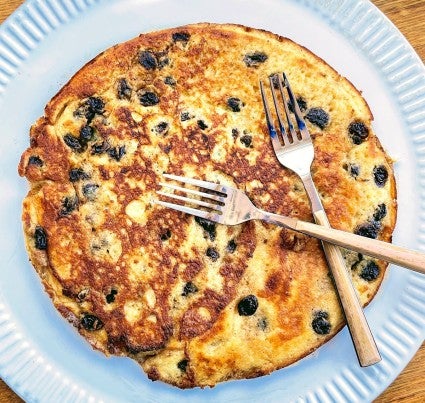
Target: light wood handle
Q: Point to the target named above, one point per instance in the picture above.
(371, 247)
(364, 343)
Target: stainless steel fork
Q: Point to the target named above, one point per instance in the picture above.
(230, 206)
(294, 150)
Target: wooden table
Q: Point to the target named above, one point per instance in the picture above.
(409, 17)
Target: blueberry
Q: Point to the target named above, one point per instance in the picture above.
(354, 170)
(358, 132)
(40, 238)
(369, 229)
(212, 254)
(91, 322)
(148, 60)
(189, 288)
(77, 174)
(96, 105)
(161, 128)
(81, 296)
(320, 323)
(89, 190)
(182, 365)
(380, 212)
(165, 235)
(235, 133)
(370, 272)
(208, 226)
(185, 116)
(302, 105)
(35, 160)
(380, 175)
(202, 125)
(123, 89)
(231, 246)
(148, 98)
(318, 117)
(255, 59)
(170, 81)
(86, 134)
(100, 148)
(181, 36)
(248, 305)
(111, 296)
(73, 143)
(69, 204)
(116, 153)
(246, 140)
(235, 104)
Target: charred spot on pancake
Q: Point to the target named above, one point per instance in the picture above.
(110, 297)
(86, 134)
(370, 271)
(235, 104)
(170, 81)
(100, 148)
(202, 125)
(380, 175)
(73, 143)
(189, 288)
(369, 229)
(262, 324)
(208, 226)
(246, 140)
(35, 160)
(148, 60)
(89, 190)
(231, 246)
(380, 212)
(161, 128)
(91, 322)
(69, 204)
(165, 235)
(302, 104)
(182, 365)
(235, 133)
(123, 89)
(116, 153)
(248, 305)
(212, 253)
(320, 323)
(185, 116)
(181, 36)
(318, 117)
(254, 59)
(40, 238)
(358, 132)
(148, 98)
(77, 174)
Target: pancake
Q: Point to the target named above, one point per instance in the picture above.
(197, 303)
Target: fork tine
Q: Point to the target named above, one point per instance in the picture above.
(194, 192)
(277, 109)
(190, 200)
(190, 210)
(272, 131)
(196, 182)
(298, 116)
(287, 114)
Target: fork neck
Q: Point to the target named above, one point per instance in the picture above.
(313, 195)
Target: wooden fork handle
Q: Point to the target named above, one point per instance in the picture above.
(364, 343)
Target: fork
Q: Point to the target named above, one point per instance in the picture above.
(294, 150)
(229, 206)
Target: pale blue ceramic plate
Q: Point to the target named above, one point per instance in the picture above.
(44, 42)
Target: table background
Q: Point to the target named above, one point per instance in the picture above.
(409, 17)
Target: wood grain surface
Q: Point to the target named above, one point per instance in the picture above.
(409, 17)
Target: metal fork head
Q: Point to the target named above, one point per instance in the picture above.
(293, 145)
(215, 202)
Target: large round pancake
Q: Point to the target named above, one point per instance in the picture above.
(157, 285)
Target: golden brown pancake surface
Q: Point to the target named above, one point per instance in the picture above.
(197, 303)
